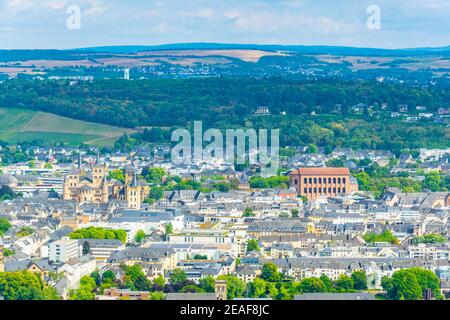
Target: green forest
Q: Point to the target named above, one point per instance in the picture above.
(306, 112)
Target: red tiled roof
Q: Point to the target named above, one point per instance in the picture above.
(321, 171)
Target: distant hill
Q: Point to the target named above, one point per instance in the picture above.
(332, 50)
(183, 60)
(19, 125)
(80, 54)
(23, 55)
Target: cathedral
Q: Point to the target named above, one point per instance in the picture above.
(93, 186)
(133, 190)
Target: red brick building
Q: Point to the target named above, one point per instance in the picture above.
(322, 182)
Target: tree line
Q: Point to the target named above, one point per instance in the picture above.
(405, 284)
(228, 103)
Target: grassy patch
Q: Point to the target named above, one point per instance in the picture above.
(12, 119)
(47, 122)
(18, 125)
(52, 137)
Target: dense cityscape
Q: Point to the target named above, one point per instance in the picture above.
(132, 225)
(220, 159)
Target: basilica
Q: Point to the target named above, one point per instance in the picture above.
(93, 185)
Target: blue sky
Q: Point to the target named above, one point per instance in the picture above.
(404, 23)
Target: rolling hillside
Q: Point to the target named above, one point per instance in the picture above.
(18, 125)
(303, 49)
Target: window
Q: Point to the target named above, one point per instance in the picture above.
(334, 190)
(305, 180)
(315, 190)
(305, 190)
(320, 190)
(320, 180)
(310, 190)
(329, 190)
(310, 180)
(344, 180)
(339, 180)
(329, 180)
(339, 190)
(295, 181)
(315, 180)
(343, 190)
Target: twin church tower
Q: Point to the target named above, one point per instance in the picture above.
(93, 185)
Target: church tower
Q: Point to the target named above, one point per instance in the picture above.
(66, 190)
(133, 194)
(130, 172)
(98, 173)
(105, 190)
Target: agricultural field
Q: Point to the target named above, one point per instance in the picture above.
(18, 125)
(434, 63)
(139, 59)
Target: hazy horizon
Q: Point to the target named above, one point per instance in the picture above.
(222, 43)
(43, 24)
(246, 44)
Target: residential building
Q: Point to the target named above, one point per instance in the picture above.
(63, 250)
(76, 268)
(103, 249)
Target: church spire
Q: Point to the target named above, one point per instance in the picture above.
(134, 181)
(97, 160)
(79, 161)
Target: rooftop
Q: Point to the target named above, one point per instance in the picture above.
(335, 296)
(321, 171)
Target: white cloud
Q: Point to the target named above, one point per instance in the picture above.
(265, 21)
(406, 23)
(160, 28)
(22, 5)
(206, 13)
(426, 4)
(19, 4)
(295, 3)
(96, 8)
(55, 4)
